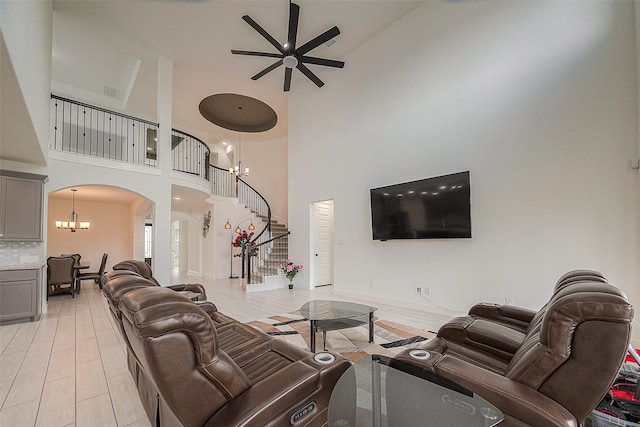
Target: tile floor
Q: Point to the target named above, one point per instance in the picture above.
(69, 368)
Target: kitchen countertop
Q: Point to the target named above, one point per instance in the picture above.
(24, 266)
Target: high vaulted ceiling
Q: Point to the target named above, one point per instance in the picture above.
(114, 46)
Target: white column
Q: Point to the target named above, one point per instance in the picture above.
(162, 210)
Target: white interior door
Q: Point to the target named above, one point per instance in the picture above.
(323, 243)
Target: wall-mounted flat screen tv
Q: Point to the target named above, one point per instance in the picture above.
(432, 208)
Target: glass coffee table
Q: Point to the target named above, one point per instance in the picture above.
(379, 391)
(326, 315)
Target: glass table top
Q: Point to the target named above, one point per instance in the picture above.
(329, 310)
(379, 391)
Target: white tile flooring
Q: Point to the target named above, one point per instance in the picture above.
(69, 368)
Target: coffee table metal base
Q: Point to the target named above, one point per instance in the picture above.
(336, 324)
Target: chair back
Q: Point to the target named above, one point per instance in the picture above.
(580, 345)
(103, 264)
(60, 270)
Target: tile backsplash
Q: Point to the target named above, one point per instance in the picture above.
(14, 253)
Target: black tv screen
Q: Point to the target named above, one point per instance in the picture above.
(432, 208)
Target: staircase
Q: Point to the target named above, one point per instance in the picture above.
(271, 254)
(272, 241)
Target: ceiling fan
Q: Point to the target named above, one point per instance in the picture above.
(290, 56)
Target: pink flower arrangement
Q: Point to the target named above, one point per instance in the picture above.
(290, 269)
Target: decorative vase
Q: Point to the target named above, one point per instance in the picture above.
(290, 283)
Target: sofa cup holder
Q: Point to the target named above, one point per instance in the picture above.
(324, 358)
(420, 354)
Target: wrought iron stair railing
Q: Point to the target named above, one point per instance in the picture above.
(270, 255)
(272, 250)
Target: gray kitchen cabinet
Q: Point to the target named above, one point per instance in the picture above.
(21, 206)
(19, 294)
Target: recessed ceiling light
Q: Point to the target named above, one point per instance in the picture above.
(176, 198)
(225, 143)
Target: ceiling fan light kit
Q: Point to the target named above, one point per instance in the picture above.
(289, 55)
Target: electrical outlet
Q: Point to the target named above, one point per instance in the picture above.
(417, 290)
(427, 292)
(508, 301)
(372, 284)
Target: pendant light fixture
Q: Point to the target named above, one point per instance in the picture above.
(73, 223)
(237, 170)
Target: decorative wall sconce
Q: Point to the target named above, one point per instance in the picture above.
(206, 223)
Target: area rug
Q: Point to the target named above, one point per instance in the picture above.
(390, 338)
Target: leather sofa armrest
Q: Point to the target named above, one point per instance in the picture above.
(514, 399)
(209, 307)
(278, 396)
(218, 318)
(192, 287)
(415, 356)
(509, 315)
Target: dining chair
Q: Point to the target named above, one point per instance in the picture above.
(60, 273)
(94, 275)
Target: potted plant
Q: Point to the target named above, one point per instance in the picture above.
(290, 270)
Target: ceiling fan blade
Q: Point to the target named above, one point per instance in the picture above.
(321, 61)
(287, 79)
(267, 70)
(250, 53)
(307, 72)
(263, 33)
(294, 13)
(322, 38)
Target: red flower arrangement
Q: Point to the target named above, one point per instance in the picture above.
(243, 240)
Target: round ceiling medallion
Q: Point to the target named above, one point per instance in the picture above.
(238, 112)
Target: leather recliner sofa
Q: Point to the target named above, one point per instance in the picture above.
(143, 269)
(561, 367)
(500, 330)
(201, 378)
(273, 375)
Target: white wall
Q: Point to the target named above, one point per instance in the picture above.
(267, 161)
(27, 32)
(537, 99)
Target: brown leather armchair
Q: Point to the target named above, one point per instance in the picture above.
(562, 368)
(178, 347)
(520, 318)
(500, 330)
